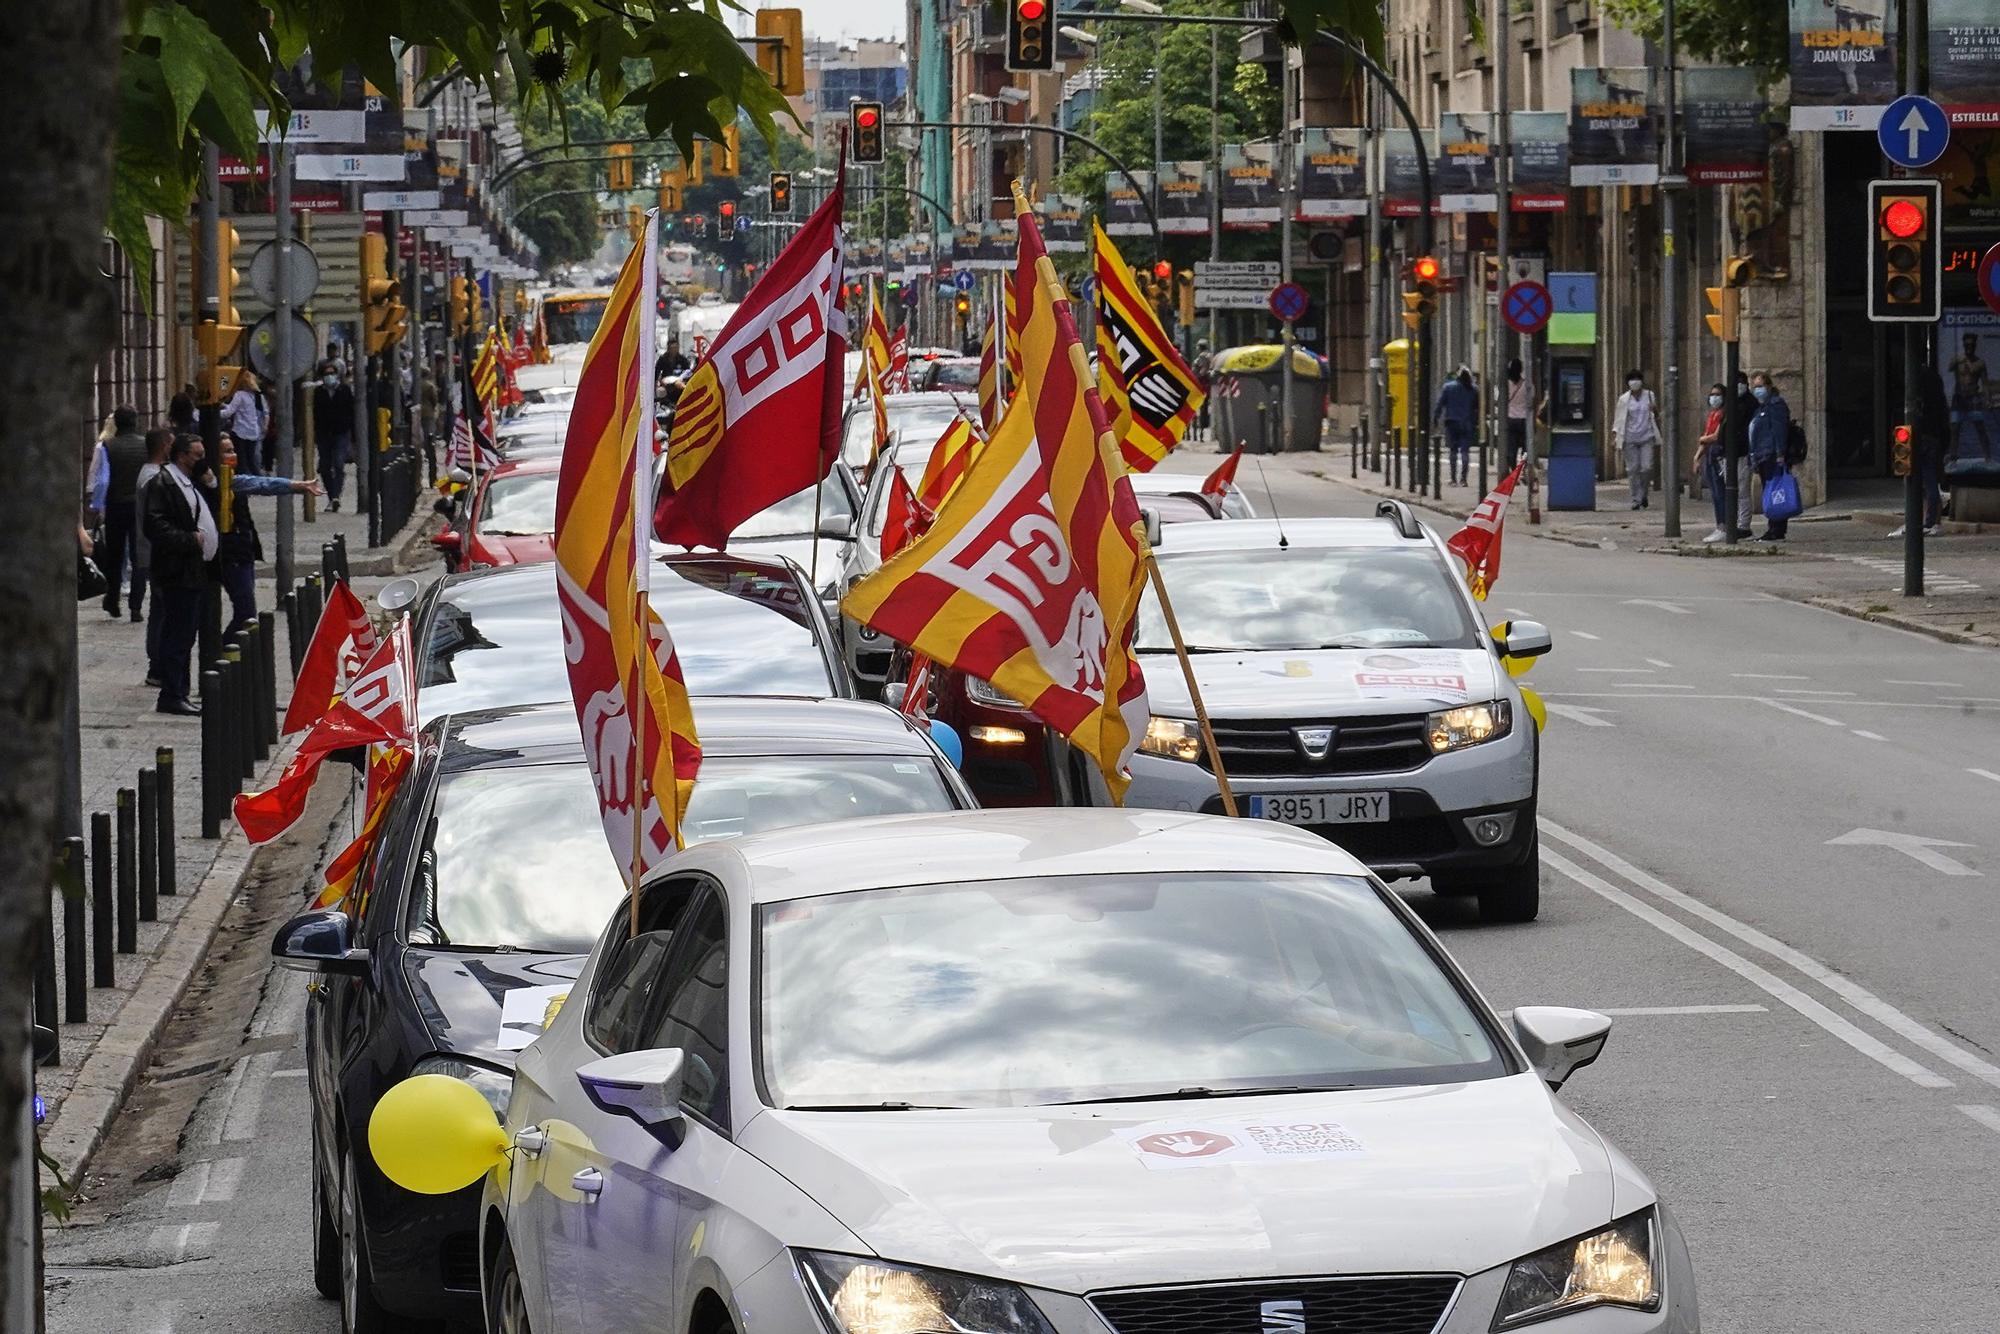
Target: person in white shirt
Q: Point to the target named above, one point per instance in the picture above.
(1635, 429)
(1520, 410)
(247, 417)
(183, 537)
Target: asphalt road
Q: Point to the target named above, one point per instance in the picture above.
(1769, 849)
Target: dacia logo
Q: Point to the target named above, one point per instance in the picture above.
(1287, 1316)
(1315, 742)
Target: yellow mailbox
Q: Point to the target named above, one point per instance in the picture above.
(1396, 358)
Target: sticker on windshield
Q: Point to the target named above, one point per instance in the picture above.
(526, 1011)
(1171, 1145)
(1432, 675)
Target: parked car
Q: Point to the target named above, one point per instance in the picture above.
(487, 885)
(916, 417)
(1354, 690)
(510, 519)
(1055, 1072)
(950, 372)
(743, 625)
(1148, 486)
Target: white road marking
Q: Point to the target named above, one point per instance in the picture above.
(1869, 736)
(1688, 1009)
(1768, 676)
(206, 1182)
(1637, 686)
(1672, 608)
(1984, 1115)
(1583, 634)
(1970, 699)
(1517, 611)
(173, 1243)
(1796, 690)
(1652, 685)
(1946, 685)
(1985, 773)
(1643, 671)
(289, 1074)
(1757, 975)
(1914, 846)
(1783, 707)
(1657, 663)
(1856, 995)
(246, 1100)
(1579, 714)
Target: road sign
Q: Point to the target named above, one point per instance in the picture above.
(1913, 131)
(1526, 307)
(965, 280)
(1989, 279)
(1289, 301)
(1260, 273)
(303, 275)
(262, 340)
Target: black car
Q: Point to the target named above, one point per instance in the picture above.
(743, 625)
(488, 884)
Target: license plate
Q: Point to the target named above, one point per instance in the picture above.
(1322, 808)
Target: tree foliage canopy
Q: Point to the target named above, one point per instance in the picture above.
(1748, 33)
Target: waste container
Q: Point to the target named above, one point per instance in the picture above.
(1572, 471)
(1247, 398)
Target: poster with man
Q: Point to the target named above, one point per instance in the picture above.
(1843, 62)
(1249, 186)
(1727, 141)
(1465, 174)
(1538, 149)
(1613, 127)
(1333, 175)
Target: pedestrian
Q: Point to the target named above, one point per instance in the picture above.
(1457, 407)
(1707, 466)
(1933, 432)
(246, 416)
(1204, 370)
(333, 430)
(1520, 408)
(114, 495)
(159, 444)
(1635, 430)
(239, 548)
(183, 535)
(430, 398)
(1968, 398)
(1770, 429)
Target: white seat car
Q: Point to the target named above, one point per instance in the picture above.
(1055, 1072)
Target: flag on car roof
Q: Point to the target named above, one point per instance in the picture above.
(341, 642)
(1031, 572)
(897, 378)
(947, 464)
(902, 518)
(760, 417)
(1478, 543)
(467, 449)
(874, 342)
(1217, 483)
(989, 378)
(624, 676)
(486, 370)
(1150, 393)
(386, 767)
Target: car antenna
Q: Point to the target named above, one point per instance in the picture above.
(1283, 541)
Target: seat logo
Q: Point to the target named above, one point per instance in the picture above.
(1284, 1317)
(1315, 742)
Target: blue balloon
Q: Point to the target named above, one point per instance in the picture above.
(949, 742)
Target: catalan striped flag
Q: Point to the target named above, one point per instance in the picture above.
(875, 354)
(949, 459)
(624, 676)
(989, 378)
(486, 371)
(1031, 572)
(1151, 394)
(1011, 344)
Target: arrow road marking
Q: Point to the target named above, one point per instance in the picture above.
(1914, 846)
(1673, 607)
(1914, 125)
(1578, 713)
(1985, 773)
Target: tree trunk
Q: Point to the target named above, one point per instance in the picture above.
(55, 190)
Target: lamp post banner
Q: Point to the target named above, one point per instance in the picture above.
(1965, 61)
(1466, 173)
(1843, 62)
(1125, 204)
(1538, 146)
(1613, 127)
(1402, 189)
(1062, 224)
(1184, 188)
(1333, 176)
(1723, 120)
(1249, 186)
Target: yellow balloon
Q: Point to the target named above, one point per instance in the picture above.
(1536, 709)
(434, 1134)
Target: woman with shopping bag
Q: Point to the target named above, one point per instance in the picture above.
(1770, 437)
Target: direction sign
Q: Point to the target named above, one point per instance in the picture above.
(1289, 301)
(1526, 307)
(1259, 274)
(1913, 131)
(965, 280)
(1989, 279)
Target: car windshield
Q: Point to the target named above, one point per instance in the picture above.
(1014, 993)
(519, 505)
(516, 857)
(922, 422)
(793, 516)
(739, 627)
(954, 374)
(573, 319)
(1308, 597)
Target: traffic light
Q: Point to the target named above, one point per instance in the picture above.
(783, 60)
(1163, 270)
(722, 153)
(217, 339)
(781, 189)
(693, 165)
(1901, 438)
(670, 191)
(1420, 300)
(864, 131)
(461, 305)
(964, 304)
(728, 212)
(635, 222)
(1905, 274)
(1727, 303)
(618, 173)
(382, 312)
(1031, 38)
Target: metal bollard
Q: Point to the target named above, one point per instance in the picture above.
(295, 641)
(210, 637)
(163, 770)
(254, 718)
(1354, 451)
(100, 899)
(235, 722)
(329, 565)
(212, 753)
(1396, 459)
(128, 873)
(76, 938)
(1437, 472)
(340, 548)
(149, 846)
(267, 678)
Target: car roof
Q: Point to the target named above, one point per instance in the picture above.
(727, 725)
(535, 464)
(980, 845)
(1248, 534)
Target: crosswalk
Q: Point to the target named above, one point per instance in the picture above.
(1893, 565)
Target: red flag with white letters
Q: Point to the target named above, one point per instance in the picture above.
(341, 642)
(1217, 483)
(1478, 543)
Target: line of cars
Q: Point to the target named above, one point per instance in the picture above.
(875, 1061)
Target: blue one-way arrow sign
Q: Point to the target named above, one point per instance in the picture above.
(1913, 131)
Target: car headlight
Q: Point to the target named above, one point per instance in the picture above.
(862, 1296)
(1173, 738)
(1611, 1267)
(1468, 725)
(492, 1085)
(981, 691)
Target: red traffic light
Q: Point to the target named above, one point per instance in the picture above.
(1162, 270)
(1424, 269)
(1902, 434)
(1031, 9)
(728, 210)
(865, 118)
(1902, 218)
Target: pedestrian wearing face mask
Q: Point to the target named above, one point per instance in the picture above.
(1635, 429)
(1770, 428)
(333, 430)
(1708, 460)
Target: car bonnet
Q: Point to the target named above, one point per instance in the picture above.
(1286, 683)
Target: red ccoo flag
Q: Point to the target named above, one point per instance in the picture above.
(1217, 483)
(1478, 543)
(341, 642)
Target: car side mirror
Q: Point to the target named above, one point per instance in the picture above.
(1152, 518)
(320, 941)
(836, 527)
(894, 693)
(447, 540)
(459, 476)
(644, 1085)
(1560, 1041)
(1525, 639)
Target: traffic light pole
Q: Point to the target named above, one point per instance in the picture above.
(1067, 136)
(1917, 37)
(284, 418)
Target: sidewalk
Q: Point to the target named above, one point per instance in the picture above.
(120, 735)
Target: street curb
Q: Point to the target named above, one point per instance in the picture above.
(1888, 618)
(1576, 537)
(400, 552)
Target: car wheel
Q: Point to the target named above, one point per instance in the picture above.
(506, 1303)
(359, 1311)
(326, 1233)
(1515, 894)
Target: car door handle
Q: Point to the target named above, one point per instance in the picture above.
(588, 1182)
(531, 1140)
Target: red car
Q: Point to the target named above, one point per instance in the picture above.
(510, 520)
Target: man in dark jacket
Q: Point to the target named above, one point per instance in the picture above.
(333, 431)
(184, 539)
(114, 494)
(1770, 432)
